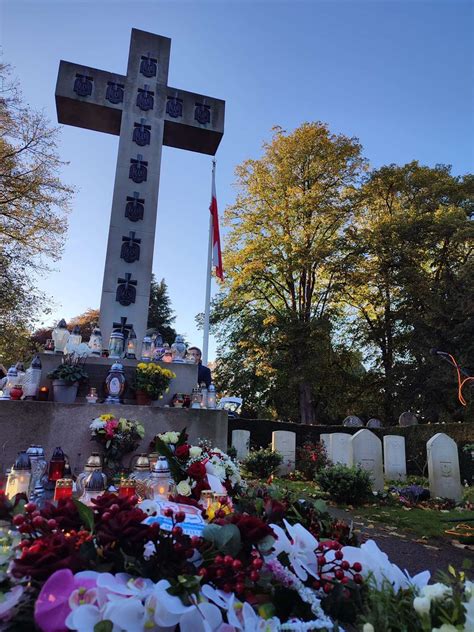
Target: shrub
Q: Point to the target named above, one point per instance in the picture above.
(350, 485)
(262, 463)
(311, 458)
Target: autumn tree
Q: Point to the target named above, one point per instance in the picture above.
(285, 231)
(33, 207)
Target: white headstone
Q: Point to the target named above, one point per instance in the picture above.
(367, 452)
(284, 442)
(241, 442)
(325, 440)
(394, 458)
(341, 448)
(353, 421)
(443, 467)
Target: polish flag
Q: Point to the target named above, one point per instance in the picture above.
(216, 239)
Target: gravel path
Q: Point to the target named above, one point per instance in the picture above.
(406, 552)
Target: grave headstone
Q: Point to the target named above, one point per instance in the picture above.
(241, 442)
(374, 423)
(367, 454)
(407, 419)
(443, 467)
(394, 458)
(284, 442)
(146, 113)
(341, 448)
(325, 440)
(352, 421)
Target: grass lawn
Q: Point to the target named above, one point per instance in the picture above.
(420, 523)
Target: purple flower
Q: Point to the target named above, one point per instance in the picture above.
(60, 594)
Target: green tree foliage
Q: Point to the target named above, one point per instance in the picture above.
(33, 207)
(285, 234)
(338, 284)
(160, 312)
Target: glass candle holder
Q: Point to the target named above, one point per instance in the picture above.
(43, 394)
(63, 489)
(206, 498)
(92, 396)
(49, 346)
(127, 488)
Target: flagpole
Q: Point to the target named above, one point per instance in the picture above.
(207, 307)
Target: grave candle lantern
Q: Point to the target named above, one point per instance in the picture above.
(116, 344)
(19, 478)
(43, 394)
(60, 336)
(159, 482)
(211, 396)
(95, 342)
(32, 379)
(12, 376)
(115, 384)
(63, 490)
(146, 349)
(206, 498)
(127, 487)
(94, 486)
(76, 337)
(131, 346)
(57, 465)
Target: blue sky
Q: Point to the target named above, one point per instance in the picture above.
(398, 75)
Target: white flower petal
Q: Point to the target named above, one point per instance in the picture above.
(83, 618)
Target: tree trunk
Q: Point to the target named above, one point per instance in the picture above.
(307, 413)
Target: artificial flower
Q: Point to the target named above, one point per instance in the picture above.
(436, 591)
(422, 605)
(9, 600)
(368, 627)
(195, 451)
(197, 470)
(182, 451)
(184, 488)
(300, 549)
(48, 554)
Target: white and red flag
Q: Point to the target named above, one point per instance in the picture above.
(216, 238)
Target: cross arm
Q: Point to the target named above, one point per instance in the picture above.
(89, 98)
(185, 119)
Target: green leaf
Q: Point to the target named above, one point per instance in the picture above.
(182, 437)
(226, 539)
(177, 472)
(104, 626)
(86, 515)
(20, 508)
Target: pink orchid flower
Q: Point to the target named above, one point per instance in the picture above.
(62, 593)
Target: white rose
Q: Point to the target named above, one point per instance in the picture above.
(195, 451)
(368, 627)
(183, 488)
(436, 591)
(97, 424)
(422, 605)
(173, 437)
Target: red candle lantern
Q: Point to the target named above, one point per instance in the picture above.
(127, 488)
(63, 489)
(43, 394)
(57, 465)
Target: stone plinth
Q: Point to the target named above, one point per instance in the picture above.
(67, 425)
(97, 369)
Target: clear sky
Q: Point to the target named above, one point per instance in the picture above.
(398, 75)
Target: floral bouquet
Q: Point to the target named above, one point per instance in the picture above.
(152, 379)
(117, 436)
(197, 467)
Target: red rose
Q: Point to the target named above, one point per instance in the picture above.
(182, 451)
(197, 470)
(251, 528)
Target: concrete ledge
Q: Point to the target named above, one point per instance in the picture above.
(67, 425)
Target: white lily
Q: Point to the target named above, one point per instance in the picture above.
(127, 613)
(300, 549)
(168, 608)
(206, 617)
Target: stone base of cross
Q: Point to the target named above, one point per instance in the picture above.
(146, 113)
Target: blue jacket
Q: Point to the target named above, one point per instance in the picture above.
(204, 375)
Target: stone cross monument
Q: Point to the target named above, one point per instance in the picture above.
(146, 113)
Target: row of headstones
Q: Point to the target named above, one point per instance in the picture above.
(405, 419)
(364, 448)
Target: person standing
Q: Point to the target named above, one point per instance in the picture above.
(204, 372)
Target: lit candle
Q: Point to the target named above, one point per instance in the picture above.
(206, 498)
(43, 394)
(63, 489)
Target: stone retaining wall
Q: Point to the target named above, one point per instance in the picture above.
(67, 425)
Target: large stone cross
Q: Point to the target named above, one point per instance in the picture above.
(146, 113)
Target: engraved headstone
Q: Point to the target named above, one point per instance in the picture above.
(134, 107)
(443, 467)
(374, 423)
(352, 421)
(407, 419)
(367, 453)
(284, 442)
(394, 458)
(241, 442)
(324, 438)
(341, 448)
